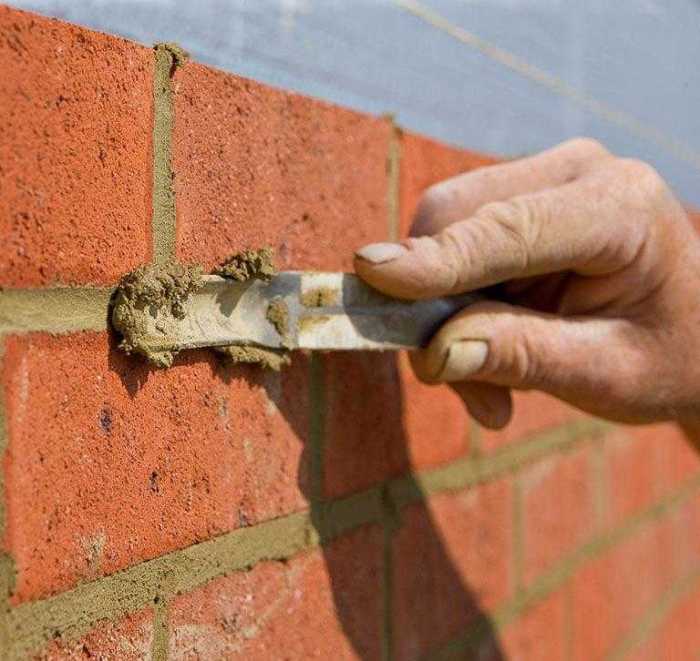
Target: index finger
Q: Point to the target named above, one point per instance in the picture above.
(459, 197)
(590, 226)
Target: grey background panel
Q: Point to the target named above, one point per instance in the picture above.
(634, 57)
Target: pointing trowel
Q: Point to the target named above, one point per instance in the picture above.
(293, 310)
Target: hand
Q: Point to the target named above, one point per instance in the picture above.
(597, 268)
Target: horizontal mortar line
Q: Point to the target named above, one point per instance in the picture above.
(73, 612)
(470, 471)
(553, 83)
(654, 616)
(547, 583)
(55, 309)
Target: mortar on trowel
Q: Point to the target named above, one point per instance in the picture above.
(253, 314)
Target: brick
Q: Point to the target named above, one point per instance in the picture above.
(558, 505)
(381, 422)
(684, 551)
(539, 634)
(678, 636)
(451, 563)
(255, 165)
(647, 651)
(425, 162)
(675, 457)
(436, 425)
(613, 591)
(364, 441)
(110, 462)
(533, 412)
(129, 639)
(632, 473)
(322, 604)
(76, 120)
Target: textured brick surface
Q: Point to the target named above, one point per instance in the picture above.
(318, 605)
(684, 550)
(677, 638)
(110, 463)
(612, 592)
(435, 421)
(451, 562)
(539, 634)
(676, 457)
(558, 501)
(75, 154)
(129, 639)
(381, 422)
(533, 412)
(425, 162)
(633, 471)
(255, 166)
(364, 440)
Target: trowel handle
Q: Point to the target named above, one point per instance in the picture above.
(361, 318)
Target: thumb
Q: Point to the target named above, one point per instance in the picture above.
(589, 362)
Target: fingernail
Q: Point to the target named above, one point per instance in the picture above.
(463, 358)
(380, 253)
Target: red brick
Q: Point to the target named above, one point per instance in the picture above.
(364, 442)
(685, 550)
(633, 472)
(435, 421)
(676, 459)
(110, 462)
(256, 165)
(612, 592)
(129, 639)
(451, 563)
(323, 604)
(381, 422)
(678, 636)
(646, 651)
(558, 500)
(76, 121)
(425, 162)
(539, 634)
(533, 412)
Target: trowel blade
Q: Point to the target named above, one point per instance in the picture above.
(295, 310)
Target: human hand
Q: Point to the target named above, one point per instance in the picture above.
(597, 268)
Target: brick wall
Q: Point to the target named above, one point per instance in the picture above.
(339, 509)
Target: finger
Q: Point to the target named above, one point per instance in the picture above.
(491, 406)
(592, 363)
(586, 226)
(460, 196)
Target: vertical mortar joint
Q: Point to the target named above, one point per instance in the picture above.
(160, 645)
(393, 166)
(168, 58)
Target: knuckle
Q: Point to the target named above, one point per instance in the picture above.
(457, 244)
(587, 146)
(518, 220)
(514, 213)
(643, 175)
(430, 211)
(525, 364)
(515, 360)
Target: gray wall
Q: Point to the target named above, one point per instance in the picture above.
(624, 71)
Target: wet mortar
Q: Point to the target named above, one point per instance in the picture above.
(320, 297)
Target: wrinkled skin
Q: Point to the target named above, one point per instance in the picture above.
(595, 269)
